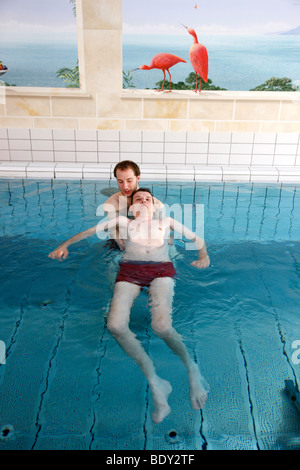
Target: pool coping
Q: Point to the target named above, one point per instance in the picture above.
(155, 172)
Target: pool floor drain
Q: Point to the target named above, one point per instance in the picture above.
(7, 432)
(46, 303)
(173, 437)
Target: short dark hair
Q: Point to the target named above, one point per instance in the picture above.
(124, 165)
(145, 190)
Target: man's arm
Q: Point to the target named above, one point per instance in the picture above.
(115, 205)
(203, 261)
(61, 252)
(111, 207)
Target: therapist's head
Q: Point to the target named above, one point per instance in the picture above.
(127, 174)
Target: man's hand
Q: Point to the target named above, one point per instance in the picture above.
(60, 253)
(121, 244)
(202, 262)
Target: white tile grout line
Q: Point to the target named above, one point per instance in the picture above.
(54, 154)
(75, 144)
(275, 143)
(230, 148)
(208, 144)
(30, 143)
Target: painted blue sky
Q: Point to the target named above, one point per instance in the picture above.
(37, 19)
(210, 16)
(54, 18)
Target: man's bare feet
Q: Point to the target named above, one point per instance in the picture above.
(198, 388)
(161, 390)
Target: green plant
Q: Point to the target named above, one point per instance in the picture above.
(276, 84)
(70, 76)
(128, 80)
(74, 6)
(189, 84)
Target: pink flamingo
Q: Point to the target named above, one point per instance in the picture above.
(162, 61)
(198, 58)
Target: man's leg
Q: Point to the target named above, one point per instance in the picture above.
(161, 294)
(118, 324)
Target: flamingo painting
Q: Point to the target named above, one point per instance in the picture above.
(199, 58)
(162, 61)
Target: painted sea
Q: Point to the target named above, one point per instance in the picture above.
(235, 62)
(35, 65)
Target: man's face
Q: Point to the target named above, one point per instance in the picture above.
(142, 203)
(127, 181)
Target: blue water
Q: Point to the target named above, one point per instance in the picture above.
(235, 62)
(66, 383)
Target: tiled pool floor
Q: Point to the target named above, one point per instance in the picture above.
(66, 383)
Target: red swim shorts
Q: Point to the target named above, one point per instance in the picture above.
(143, 273)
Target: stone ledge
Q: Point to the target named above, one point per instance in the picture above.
(62, 92)
(212, 95)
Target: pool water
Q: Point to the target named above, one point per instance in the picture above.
(66, 384)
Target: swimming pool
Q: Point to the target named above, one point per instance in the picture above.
(66, 383)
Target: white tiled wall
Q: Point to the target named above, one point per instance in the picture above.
(171, 155)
